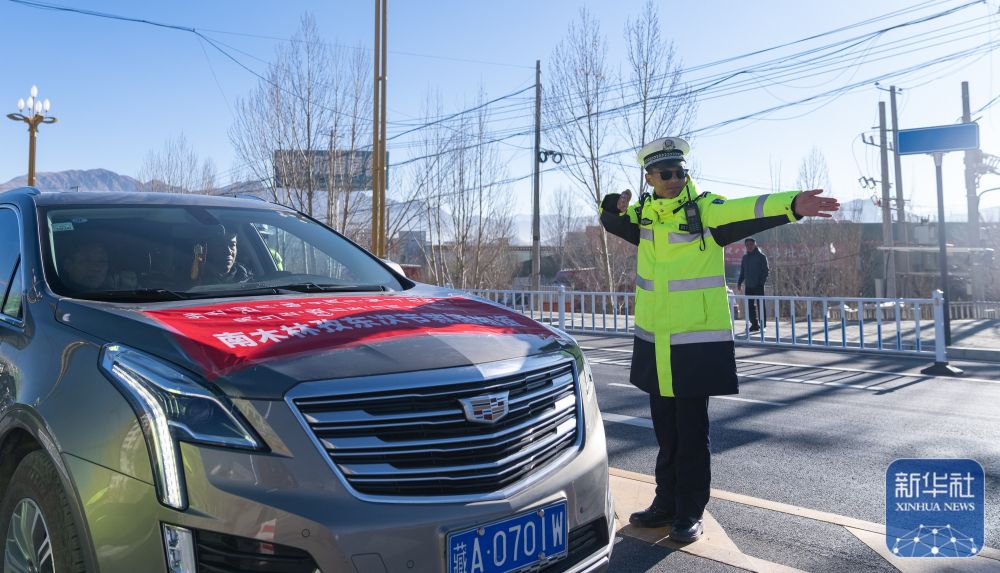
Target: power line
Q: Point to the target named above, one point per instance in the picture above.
(215, 44)
(364, 49)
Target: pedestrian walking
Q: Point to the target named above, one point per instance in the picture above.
(754, 271)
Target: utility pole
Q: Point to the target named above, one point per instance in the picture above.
(903, 233)
(383, 167)
(973, 158)
(379, 167)
(376, 123)
(890, 260)
(536, 225)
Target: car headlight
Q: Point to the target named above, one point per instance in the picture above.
(172, 406)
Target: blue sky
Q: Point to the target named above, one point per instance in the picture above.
(121, 89)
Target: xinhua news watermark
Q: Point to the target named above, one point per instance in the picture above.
(934, 507)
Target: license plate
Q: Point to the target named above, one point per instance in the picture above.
(511, 544)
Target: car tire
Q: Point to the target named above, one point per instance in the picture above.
(36, 491)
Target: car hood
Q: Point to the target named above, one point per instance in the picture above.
(261, 347)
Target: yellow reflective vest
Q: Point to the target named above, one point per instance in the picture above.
(681, 300)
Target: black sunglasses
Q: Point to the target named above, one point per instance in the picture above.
(668, 174)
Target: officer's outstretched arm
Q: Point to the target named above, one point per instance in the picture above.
(624, 225)
(733, 232)
(716, 211)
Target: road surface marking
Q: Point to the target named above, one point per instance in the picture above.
(873, 387)
(863, 371)
(734, 398)
(834, 368)
(629, 420)
(632, 494)
(750, 400)
(870, 533)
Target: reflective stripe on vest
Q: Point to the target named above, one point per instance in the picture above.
(643, 334)
(688, 237)
(695, 284)
(701, 336)
(758, 207)
(645, 233)
(644, 284)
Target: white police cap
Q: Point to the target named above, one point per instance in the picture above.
(663, 149)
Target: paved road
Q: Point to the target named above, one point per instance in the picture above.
(811, 429)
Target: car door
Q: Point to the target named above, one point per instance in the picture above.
(11, 295)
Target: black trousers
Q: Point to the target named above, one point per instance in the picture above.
(752, 303)
(683, 465)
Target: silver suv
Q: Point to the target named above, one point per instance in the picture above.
(214, 385)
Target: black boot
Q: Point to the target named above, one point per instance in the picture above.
(652, 516)
(686, 530)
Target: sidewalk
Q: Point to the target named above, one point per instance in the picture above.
(809, 540)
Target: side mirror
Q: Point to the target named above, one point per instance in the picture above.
(394, 266)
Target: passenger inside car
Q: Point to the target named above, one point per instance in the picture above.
(85, 266)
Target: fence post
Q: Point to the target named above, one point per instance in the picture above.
(940, 366)
(562, 307)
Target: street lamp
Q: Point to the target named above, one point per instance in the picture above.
(32, 112)
(981, 193)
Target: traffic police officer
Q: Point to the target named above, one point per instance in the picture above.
(683, 350)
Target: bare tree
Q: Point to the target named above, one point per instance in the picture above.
(459, 192)
(427, 178)
(576, 98)
(774, 168)
(813, 173)
(283, 128)
(655, 101)
(560, 221)
(176, 168)
(349, 144)
(819, 258)
(480, 221)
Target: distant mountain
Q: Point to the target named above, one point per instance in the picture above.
(78, 180)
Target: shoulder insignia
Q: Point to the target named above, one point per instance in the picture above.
(718, 201)
(646, 222)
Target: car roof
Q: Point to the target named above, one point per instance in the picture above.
(45, 199)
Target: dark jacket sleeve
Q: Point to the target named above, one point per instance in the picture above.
(733, 232)
(743, 264)
(765, 270)
(615, 223)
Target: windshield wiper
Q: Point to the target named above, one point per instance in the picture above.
(313, 287)
(223, 293)
(140, 294)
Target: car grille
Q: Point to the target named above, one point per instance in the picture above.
(584, 541)
(221, 553)
(417, 441)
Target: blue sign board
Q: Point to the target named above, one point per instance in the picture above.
(938, 139)
(934, 507)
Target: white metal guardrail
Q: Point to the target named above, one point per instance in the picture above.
(908, 326)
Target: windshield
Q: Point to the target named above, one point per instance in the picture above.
(122, 253)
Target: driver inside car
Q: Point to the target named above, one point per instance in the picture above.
(215, 261)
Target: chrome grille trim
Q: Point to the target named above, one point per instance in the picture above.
(384, 448)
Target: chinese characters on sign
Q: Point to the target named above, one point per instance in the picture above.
(224, 337)
(914, 485)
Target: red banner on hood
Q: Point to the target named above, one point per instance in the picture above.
(226, 337)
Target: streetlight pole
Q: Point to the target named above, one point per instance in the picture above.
(32, 113)
(981, 193)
